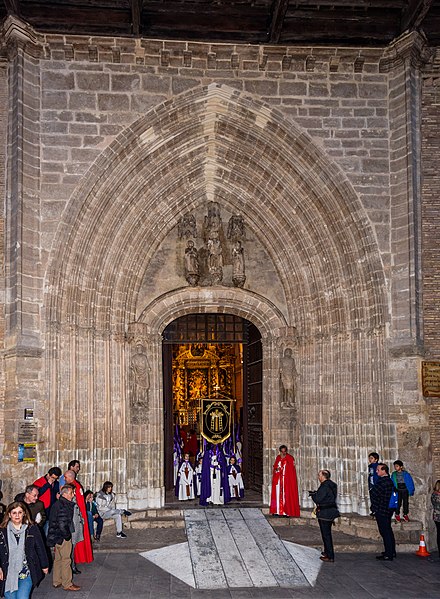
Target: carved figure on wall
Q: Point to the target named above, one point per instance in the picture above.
(238, 268)
(236, 228)
(192, 266)
(215, 260)
(187, 226)
(139, 378)
(213, 221)
(288, 376)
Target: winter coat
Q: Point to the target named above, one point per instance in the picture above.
(435, 501)
(325, 499)
(105, 502)
(34, 509)
(407, 479)
(380, 495)
(60, 522)
(35, 551)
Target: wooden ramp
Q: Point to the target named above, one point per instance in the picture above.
(236, 548)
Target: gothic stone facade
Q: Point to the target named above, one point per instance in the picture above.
(110, 145)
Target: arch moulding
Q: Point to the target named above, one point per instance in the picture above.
(150, 326)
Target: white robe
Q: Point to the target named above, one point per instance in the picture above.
(198, 475)
(216, 481)
(186, 487)
(235, 482)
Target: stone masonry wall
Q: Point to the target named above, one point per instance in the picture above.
(93, 88)
(354, 103)
(431, 235)
(3, 132)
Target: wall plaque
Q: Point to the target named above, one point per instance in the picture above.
(431, 379)
(27, 431)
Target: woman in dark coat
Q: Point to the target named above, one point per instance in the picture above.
(326, 512)
(23, 557)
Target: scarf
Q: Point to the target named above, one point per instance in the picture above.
(16, 555)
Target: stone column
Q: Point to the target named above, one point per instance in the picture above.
(24, 278)
(403, 60)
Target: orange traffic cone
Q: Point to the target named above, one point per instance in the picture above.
(422, 551)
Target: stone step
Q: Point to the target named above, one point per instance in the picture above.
(163, 522)
(362, 527)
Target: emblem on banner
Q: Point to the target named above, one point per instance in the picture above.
(216, 420)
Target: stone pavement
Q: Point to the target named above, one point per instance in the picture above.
(119, 572)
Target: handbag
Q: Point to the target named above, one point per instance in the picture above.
(314, 512)
(393, 501)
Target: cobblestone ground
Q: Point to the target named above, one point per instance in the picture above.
(118, 572)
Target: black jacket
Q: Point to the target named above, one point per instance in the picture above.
(35, 552)
(325, 499)
(380, 495)
(34, 509)
(60, 522)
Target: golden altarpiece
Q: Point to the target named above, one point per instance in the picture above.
(204, 370)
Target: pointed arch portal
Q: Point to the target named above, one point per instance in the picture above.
(216, 144)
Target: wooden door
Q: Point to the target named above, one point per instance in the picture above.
(253, 408)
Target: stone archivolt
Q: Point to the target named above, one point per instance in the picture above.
(218, 145)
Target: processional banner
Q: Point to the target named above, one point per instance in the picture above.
(216, 419)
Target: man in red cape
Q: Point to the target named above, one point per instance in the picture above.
(284, 499)
(83, 553)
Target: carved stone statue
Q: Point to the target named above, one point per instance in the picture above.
(192, 266)
(213, 221)
(288, 376)
(139, 379)
(238, 269)
(187, 226)
(236, 228)
(215, 260)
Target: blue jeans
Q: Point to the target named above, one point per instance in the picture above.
(24, 589)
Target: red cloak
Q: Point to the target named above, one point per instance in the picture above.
(83, 553)
(284, 473)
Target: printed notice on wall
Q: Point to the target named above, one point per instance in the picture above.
(27, 452)
(431, 379)
(27, 431)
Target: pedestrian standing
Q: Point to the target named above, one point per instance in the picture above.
(326, 512)
(435, 501)
(59, 536)
(380, 495)
(23, 557)
(404, 484)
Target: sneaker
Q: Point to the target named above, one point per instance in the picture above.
(127, 513)
(405, 517)
(121, 535)
(398, 518)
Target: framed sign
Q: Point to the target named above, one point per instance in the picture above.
(216, 419)
(27, 452)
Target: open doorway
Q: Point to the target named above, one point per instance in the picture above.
(206, 355)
